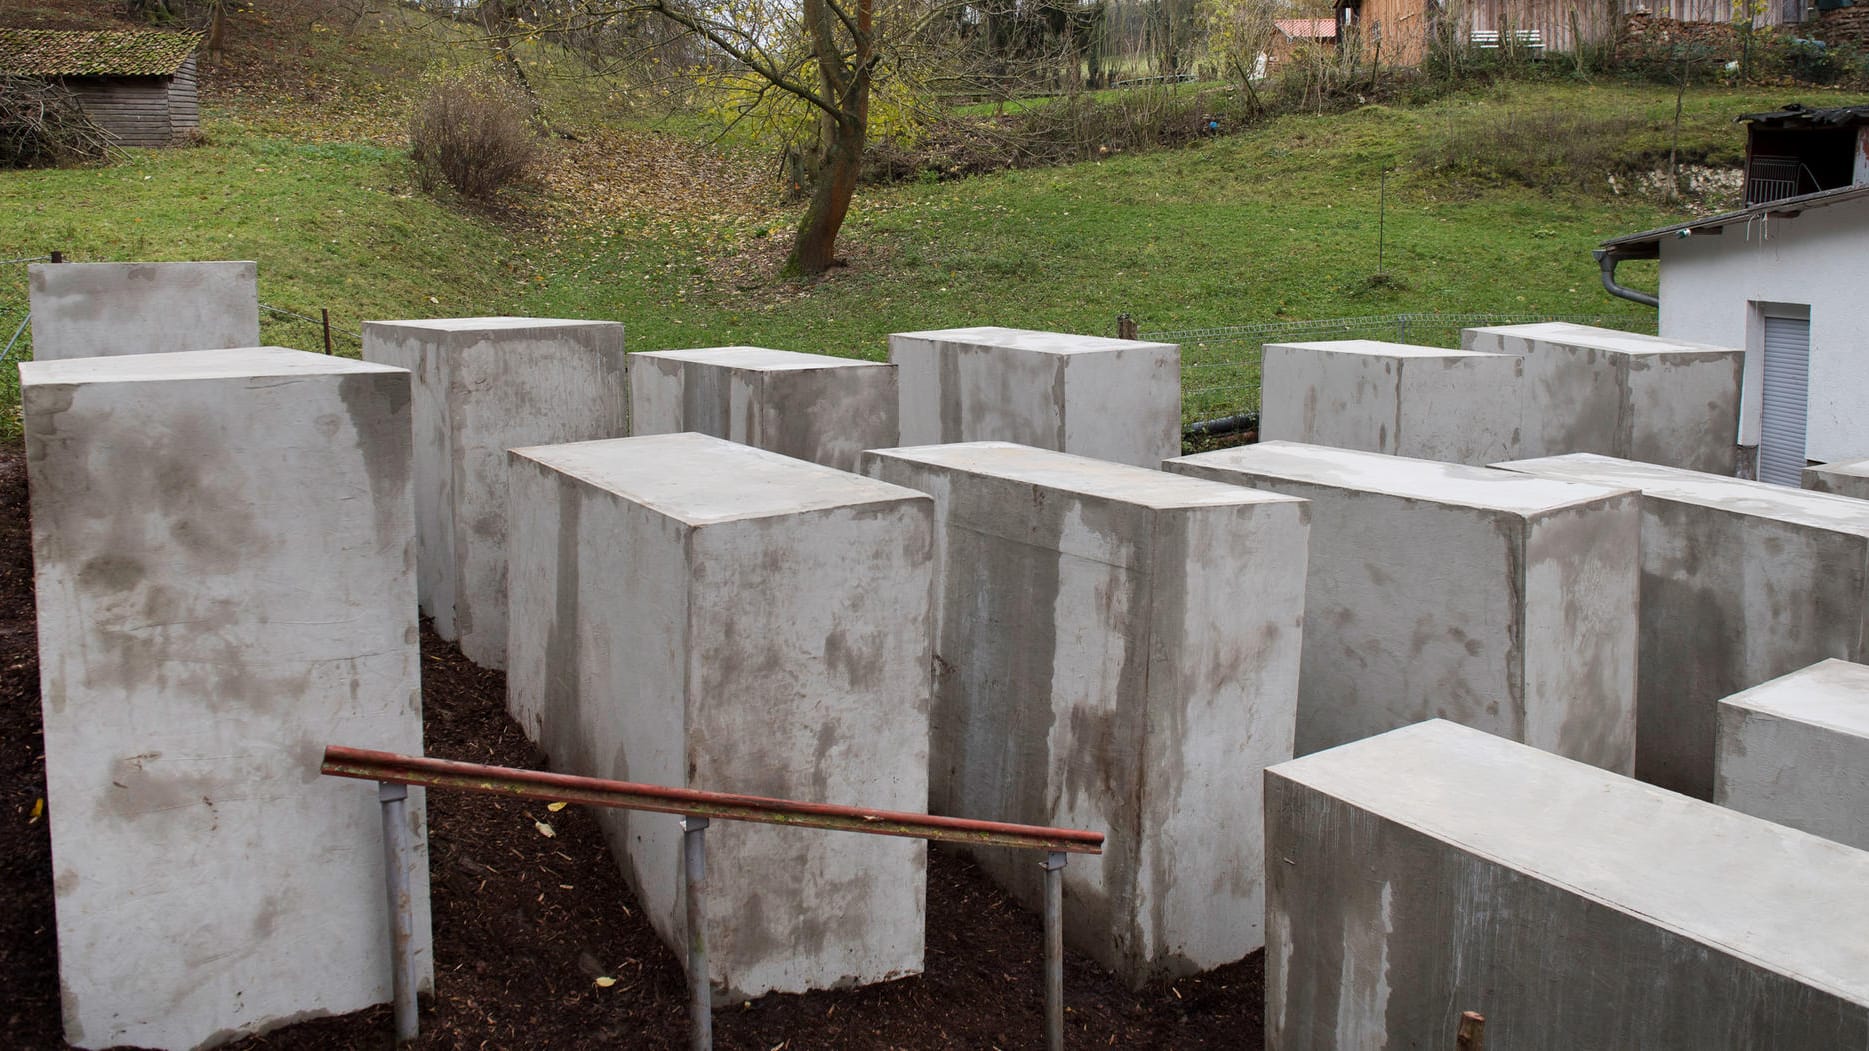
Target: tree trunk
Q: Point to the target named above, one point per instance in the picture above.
(815, 248)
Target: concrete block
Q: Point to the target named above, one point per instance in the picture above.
(484, 385)
(1796, 751)
(1741, 582)
(225, 570)
(1599, 390)
(87, 310)
(1436, 869)
(689, 611)
(1439, 590)
(1845, 478)
(809, 406)
(1111, 399)
(1097, 669)
(1454, 405)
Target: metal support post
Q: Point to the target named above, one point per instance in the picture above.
(1054, 949)
(401, 905)
(694, 862)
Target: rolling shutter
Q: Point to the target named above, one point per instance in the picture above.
(1786, 397)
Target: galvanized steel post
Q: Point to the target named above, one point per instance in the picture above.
(401, 905)
(694, 862)
(1054, 949)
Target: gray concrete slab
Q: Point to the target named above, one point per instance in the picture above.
(1845, 478)
(484, 385)
(1097, 669)
(1600, 390)
(809, 406)
(689, 611)
(1741, 582)
(1437, 869)
(1454, 405)
(1110, 399)
(1440, 590)
(225, 574)
(1796, 751)
(84, 310)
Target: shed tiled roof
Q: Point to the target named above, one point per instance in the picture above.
(109, 52)
(1308, 28)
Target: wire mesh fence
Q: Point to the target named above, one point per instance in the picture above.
(1220, 366)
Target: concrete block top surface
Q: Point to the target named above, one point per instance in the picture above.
(1761, 499)
(1611, 340)
(236, 363)
(78, 277)
(1401, 476)
(479, 325)
(760, 359)
(1831, 693)
(1379, 349)
(1852, 468)
(701, 480)
(1084, 476)
(1029, 340)
(1680, 863)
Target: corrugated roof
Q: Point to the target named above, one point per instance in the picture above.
(1786, 207)
(1796, 115)
(1307, 28)
(108, 52)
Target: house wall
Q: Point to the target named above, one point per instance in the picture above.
(1709, 285)
(184, 104)
(135, 111)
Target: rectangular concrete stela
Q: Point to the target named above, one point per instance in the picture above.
(1460, 592)
(688, 611)
(809, 406)
(225, 549)
(1364, 394)
(1110, 399)
(484, 385)
(1846, 478)
(1097, 667)
(1598, 390)
(1796, 751)
(85, 310)
(1741, 582)
(1437, 869)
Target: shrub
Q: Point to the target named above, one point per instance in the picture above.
(475, 133)
(1544, 148)
(40, 123)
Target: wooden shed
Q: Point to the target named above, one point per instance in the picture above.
(138, 85)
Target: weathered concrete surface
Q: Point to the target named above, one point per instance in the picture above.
(1436, 869)
(86, 310)
(1438, 590)
(1453, 405)
(484, 385)
(1097, 669)
(809, 406)
(225, 569)
(1796, 751)
(1111, 399)
(1741, 582)
(688, 611)
(1599, 390)
(1846, 478)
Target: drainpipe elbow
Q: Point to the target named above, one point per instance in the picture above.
(1606, 260)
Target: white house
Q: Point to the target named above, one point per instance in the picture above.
(1787, 279)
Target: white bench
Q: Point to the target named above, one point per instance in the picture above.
(1529, 39)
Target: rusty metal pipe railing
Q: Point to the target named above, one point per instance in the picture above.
(697, 807)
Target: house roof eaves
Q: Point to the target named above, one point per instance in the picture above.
(1792, 205)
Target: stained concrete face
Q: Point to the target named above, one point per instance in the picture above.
(1453, 405)
(1741, 582)
(87, 310)
(225, 570)
(483, 386)
(1847, 478)
(809, 406)
(688, 611)
(1437, 869)
(1598, 390)
(1438, 590)
(1796, 751)
(1110, 399)
(1097, 668)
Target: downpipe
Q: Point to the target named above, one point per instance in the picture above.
(1606, 260)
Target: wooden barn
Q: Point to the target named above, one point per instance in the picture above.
(138, 85)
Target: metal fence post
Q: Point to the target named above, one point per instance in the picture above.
(1054, 949)
(694, 862)
(401, 906)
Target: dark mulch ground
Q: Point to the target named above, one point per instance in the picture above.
(525, 924)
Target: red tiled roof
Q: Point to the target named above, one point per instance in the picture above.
(108, 52)
(1308, 28)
